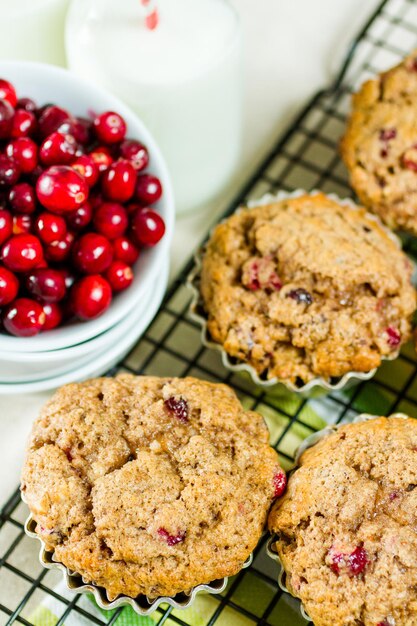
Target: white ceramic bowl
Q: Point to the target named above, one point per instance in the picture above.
(22, 367)
(46, 83)
(101, 362)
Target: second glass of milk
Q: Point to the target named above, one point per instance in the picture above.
(183, 79)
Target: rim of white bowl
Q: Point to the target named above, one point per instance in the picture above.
(79, 349)
(83, 349)
(78, 332)
(106, 359)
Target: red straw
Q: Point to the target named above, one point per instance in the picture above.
(151, 15)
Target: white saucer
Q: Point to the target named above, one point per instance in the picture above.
(104, 361)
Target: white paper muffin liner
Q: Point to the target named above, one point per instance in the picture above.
(309, 442)
(142, 605)
(197, 312)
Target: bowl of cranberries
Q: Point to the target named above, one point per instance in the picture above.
(86, 209)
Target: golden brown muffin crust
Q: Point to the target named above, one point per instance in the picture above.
(149, 485)
(306, 287)
(379, 147)
(347, 526)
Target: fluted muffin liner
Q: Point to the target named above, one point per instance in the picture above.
(142, 605)
(197, 312)
(309, 442)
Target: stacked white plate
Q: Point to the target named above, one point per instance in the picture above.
(84, 349)
(40, 370)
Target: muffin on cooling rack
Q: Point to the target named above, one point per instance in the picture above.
(346, 529)
(306, 286)
(380, 145)
(148, 485)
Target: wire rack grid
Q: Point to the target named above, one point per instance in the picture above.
(305, 156)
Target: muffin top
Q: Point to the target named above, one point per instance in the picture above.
(347, 526)
(149, 485)
(306, 287)
(380, 145)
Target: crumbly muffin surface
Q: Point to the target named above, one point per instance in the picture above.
(148, 485)
(380, 145)
(305, 287)
(347, 526)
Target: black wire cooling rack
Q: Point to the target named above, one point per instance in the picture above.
(305, 156)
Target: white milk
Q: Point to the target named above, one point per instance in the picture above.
(183, 79)
(33, 30)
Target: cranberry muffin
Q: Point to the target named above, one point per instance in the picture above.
(380, 145)
(346, 529)
(306, 287)
(149, 485)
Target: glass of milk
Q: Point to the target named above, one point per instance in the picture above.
(183, 79)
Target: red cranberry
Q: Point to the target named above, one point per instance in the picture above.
(9, 286)
(96, 199)
(148, 189)
(22, 198)
(53, 315)
(177, 407)
(119, 275)
(260, 274)
(46, 284)
(394, 336)
(110, 220)
(24, 317)
(25, 153)
(87, 167)
(358, 560)
(110, 127)
(59, 250)
(61, 189)
(81, 217)
(8, 92)
(252, 280)
(21, 253)
(135, 152)
(6, 225)
(27, 104)
(50, 227)
(90, 297)
(279, 482)
(147, 227)
(24, 124)
(118, 181)
(132, 207)
(6, 119)
(22, 224)
(50, 119)
(58, 149)
(300, 295)
(79, 128)
(409, 164)
(125, 250)
(386, 134)
(171, 540)
(9, 171)
(69, 277)
(353, 564)
(102, 158)
(92, 253)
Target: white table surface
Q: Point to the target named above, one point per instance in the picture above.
(292, 47)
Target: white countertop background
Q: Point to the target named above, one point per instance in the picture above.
(292, 48)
